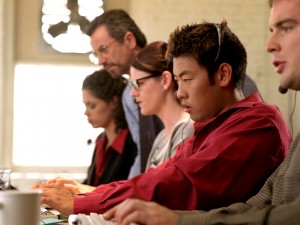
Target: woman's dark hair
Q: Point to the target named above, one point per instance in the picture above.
(104, 87)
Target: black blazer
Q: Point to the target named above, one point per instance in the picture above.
(150, 126)
(117, 167)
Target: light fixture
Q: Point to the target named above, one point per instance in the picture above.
(64, 24)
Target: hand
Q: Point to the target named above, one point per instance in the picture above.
(72, 185)
(79, 188)
(68, 183)
(141, 212)
(57, 197)
(62, 180)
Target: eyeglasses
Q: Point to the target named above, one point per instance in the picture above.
(219, 40)
(136, 83)
(102, 51)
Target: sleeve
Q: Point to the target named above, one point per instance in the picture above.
(251, 217)
(230, 166)
(287, 214)
(254, 211)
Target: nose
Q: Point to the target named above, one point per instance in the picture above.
(175, 94)
(86, 112)
(95, 59)
(272, 44)
(101, 60)
(180, 94)
(133, 92)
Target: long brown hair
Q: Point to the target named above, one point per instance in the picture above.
(151, 59)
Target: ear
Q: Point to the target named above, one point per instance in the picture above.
(115, 102)
(224, 75)
(129, 40)
(166, 80)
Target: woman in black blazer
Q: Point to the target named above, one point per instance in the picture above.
(115, 150)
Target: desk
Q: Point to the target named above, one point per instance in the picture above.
(50, 216)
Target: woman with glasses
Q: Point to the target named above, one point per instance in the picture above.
(154, 90)
(115, 150)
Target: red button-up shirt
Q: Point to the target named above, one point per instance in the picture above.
(227, 160)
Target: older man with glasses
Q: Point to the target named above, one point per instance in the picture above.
(115, 40)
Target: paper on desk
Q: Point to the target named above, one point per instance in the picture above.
(50, 221)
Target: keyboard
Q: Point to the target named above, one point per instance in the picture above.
(92, 219)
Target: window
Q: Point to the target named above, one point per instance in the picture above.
(64, 23)
(50, 128)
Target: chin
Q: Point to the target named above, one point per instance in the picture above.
(145, 113)
(113, 73)
(115, 76)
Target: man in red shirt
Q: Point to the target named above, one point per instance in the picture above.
(238, 142)
(278, 201)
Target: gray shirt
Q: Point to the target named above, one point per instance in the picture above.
(165, 147)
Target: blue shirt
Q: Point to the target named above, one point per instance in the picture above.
(132, 118)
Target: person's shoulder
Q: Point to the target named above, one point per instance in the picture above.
(255, 103)
(263, 111)
(253, 108)
(186, 126)
(264, 108)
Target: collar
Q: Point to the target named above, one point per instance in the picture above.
(119, 142)
(247, 102)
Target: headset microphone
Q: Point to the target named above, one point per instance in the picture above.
(282, 90)
(89, 141)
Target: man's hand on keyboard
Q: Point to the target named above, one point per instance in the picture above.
(57, 197)
(141, 212)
